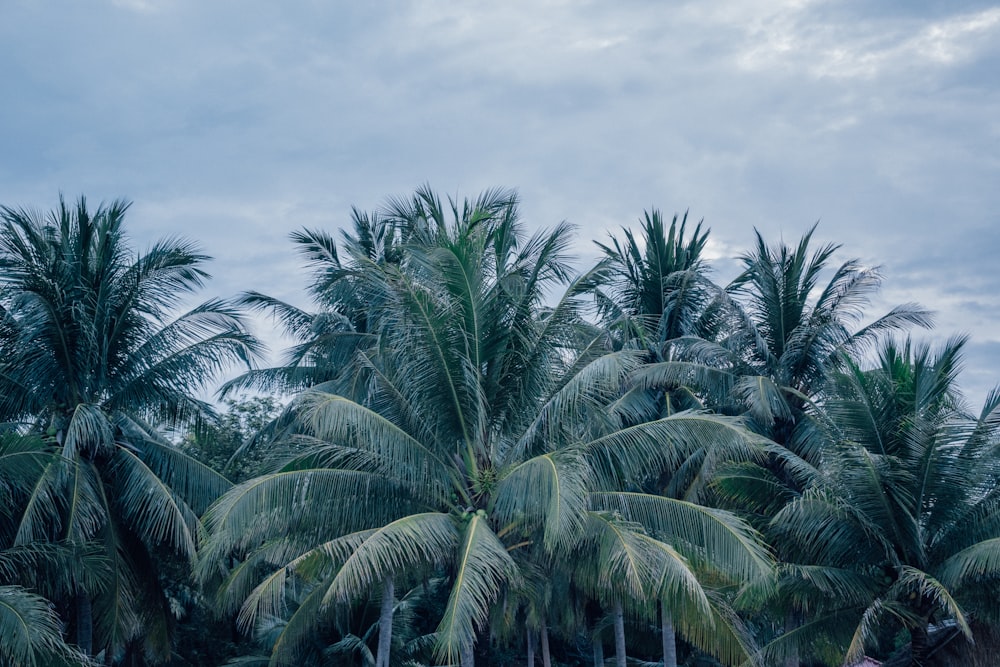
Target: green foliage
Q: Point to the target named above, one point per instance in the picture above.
(468, 436)
(93, 352)
(457, 460)
(227, 442)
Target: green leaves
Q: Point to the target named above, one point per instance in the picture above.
(547, 491)
(90, 349)
(478, 432)
(482, 567)
(31, 631)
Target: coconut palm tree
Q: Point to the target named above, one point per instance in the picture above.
(30, 629)
(476, 434)
(787, 331)
(904, 526)
(655, 288)
(91, 356)
(327, 339)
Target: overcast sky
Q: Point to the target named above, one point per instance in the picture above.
(236, 122)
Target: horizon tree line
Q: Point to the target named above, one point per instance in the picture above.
(472, 454)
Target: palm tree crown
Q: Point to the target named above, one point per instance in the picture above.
(480, 428)
(89, 353)
(903, 527)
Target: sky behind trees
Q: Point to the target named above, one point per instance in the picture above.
(234, 123)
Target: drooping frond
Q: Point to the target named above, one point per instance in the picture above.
(315, 502)
(31, 632)
(150, 507)
(640, 451)
(339, 420)
(617, 560)
(194, 482)
(399, 546)
(704, 534)
(482, 568)
(548, 491)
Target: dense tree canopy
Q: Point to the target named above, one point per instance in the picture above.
(471, 453)
(92, 356)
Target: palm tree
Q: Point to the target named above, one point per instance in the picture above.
(788, 330)
(90, 356)
(30, 629)
(904, 526)
(655, 288)
(473, 437)
(326, 340)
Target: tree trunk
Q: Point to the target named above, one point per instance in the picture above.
(598, 650)
(84, 623)
(791, 622)
(669, 637)
(619, 635)
(919, 646)
(531, 646)
(546, 656)
(468, 656)
(385, 623)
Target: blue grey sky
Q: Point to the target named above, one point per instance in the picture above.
(235, 123)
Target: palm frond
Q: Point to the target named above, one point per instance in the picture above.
(31, 632)
(548, 491)
(735, 548)
(482, 568)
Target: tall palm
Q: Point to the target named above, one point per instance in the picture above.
(324, 341)
(89, 354)
(472, 437)
(904, 527)
(790, 329)
(30, 629)
(655, 286)
(788, 333)
(655, 290)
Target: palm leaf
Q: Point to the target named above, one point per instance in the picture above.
(483, 567)
(31, 632)
(734, 547)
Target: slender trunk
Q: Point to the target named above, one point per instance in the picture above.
(546, 657)
(669, 638)
(791, 622)
(84, 623)
(619, 635)
(385, 623)
(531, 647)
(598, 650)
(919, 646)
(468, 656)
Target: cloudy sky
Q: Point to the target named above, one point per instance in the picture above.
(235, 122)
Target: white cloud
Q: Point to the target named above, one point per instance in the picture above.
(796, 40)
(142, 6)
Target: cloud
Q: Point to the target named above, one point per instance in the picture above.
(236, 122)
(848, 48)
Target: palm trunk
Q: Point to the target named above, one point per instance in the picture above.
(669, 637)
(531, 647)
(791, 622)
(385, 623)
(84, 623)
(619, 635)
(468, 656)
(598, 650)
(919, 646)
(546, 657)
